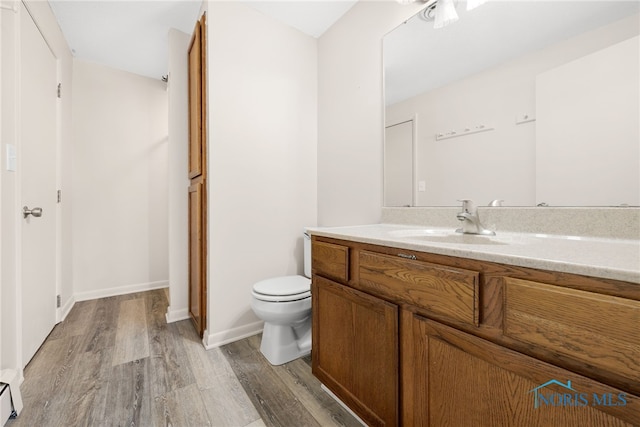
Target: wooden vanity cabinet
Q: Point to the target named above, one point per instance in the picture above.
(418, 339)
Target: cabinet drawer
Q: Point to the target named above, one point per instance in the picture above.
(600, 330)
(330, 260)
(446, 291)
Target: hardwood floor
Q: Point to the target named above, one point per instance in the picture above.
(115, 361)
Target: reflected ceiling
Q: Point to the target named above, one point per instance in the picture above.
(451, 53)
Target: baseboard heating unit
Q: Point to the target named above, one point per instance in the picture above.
(6, 408)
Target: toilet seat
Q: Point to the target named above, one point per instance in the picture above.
(282, 289)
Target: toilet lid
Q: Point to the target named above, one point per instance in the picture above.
(287, 286)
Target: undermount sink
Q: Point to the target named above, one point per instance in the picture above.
(450, 236)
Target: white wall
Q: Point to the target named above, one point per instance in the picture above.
(8, 202)
(10, 300)
(498, 164)
(120, 184)
(178, 176)
(262, 159)
(588, 128)
(351, 112)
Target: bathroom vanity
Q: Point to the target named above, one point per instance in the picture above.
(422, 326)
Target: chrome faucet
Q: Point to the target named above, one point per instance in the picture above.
(470, 220)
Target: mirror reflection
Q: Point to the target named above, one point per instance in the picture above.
(533, 103)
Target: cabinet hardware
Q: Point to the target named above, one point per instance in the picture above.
(407, 256)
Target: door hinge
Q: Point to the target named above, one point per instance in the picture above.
(58, 301)
(59, 196)
(59, 90)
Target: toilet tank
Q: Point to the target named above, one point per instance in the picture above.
(307, 254)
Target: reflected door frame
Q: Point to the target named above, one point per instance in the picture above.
(413, 163)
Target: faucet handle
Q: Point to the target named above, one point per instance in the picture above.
(467, 205)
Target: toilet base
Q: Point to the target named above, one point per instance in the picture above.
(281, 344)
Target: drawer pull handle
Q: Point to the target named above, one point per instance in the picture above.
(407, 256)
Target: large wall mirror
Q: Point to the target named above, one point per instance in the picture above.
(529, 102)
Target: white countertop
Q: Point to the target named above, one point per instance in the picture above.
(617, 259)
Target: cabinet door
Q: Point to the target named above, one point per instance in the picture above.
(197, 100)
(355, 350)
(197, 175)
(460, 380)
(197, 278)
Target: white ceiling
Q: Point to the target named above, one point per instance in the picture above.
(309, 16)
(132, 35)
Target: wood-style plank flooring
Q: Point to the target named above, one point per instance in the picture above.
(115, 362)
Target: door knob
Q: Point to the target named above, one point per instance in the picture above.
(37, 212)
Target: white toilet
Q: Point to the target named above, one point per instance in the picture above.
(284, 303)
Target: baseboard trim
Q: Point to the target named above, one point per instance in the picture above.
(121, 290)
(230, 335)
(176, 315)
(64, 311)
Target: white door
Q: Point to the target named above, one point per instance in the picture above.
(37, 175)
